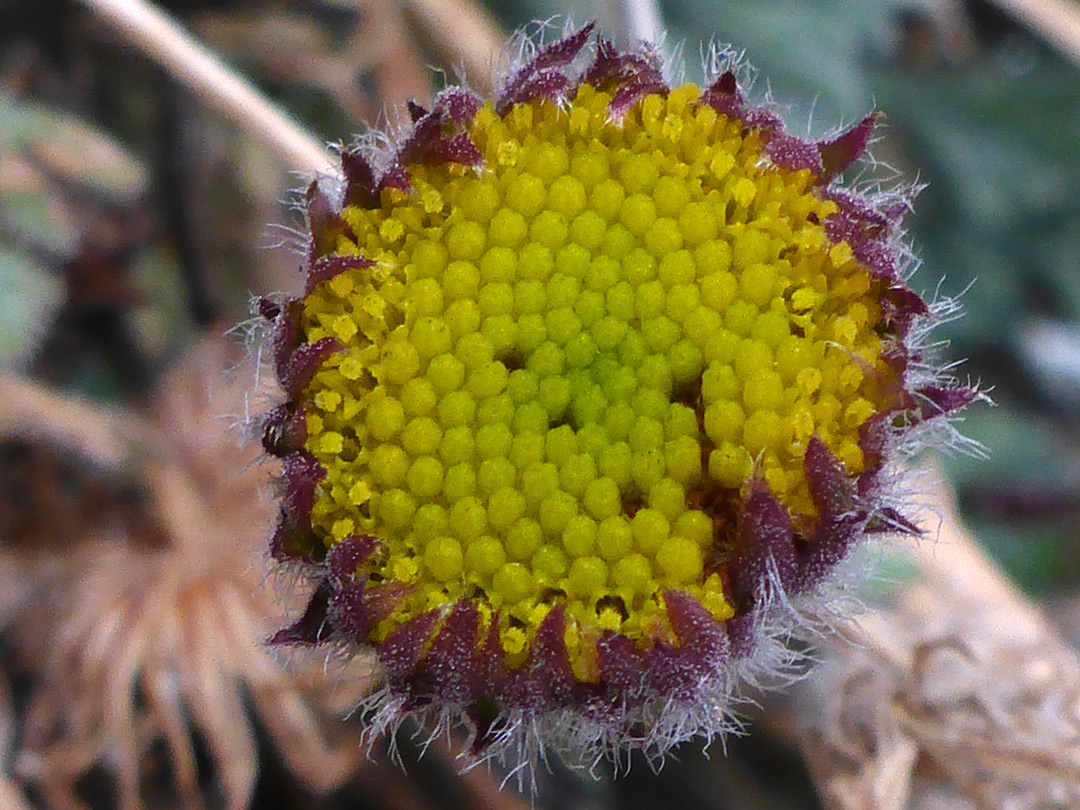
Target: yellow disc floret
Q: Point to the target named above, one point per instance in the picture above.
(563, 369)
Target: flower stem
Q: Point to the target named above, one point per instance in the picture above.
(205, 74)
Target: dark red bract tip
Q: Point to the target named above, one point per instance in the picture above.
(540, 77)
(545, 680)
(695, 628)
(305, 362)
(396, 177)
(268, 308)
(327, 267)
(345, 557)
(291, 542)
(889, 520)
(401, 650)
(284, 430)
(302, 474)
(742, 635)
(361, 184)
(437, 135)
(561, 52)
(357, 607)
(794, 154)
(938, 401)
(492, 658)
(723, 96)
(678, 671)
(765, 543)
(901, 307)
(633, 76)
(634, 90)
(451, 671)
(285, 331)
(830, 488)
(839, 523)
(430, 145)
(608, 65)
(324, 224)
(622, 664)
(869, 232)
(311, 628)
(843, 150)
(416, 110)
(458, 104)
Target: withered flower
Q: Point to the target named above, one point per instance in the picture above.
(141, 630)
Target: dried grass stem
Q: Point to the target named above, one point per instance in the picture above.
(1057, 21)
(960, 672)
(167, 43)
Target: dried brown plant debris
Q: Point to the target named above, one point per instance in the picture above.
(959, 694)
(138, 634)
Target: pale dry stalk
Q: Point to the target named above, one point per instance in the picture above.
(34, 413)
(463, 34)
(397, 68)
(166, 42)
(1057, 21)
(961, 685)
(643, 20)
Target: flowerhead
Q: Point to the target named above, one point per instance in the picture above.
(589, 386)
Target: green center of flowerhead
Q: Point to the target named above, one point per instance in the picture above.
(563, 370)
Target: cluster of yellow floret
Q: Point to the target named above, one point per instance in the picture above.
(559, 357)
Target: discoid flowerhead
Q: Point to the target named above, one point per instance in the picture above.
(589, 386)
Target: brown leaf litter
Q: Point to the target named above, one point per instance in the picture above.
(147, 631)
(959, 694)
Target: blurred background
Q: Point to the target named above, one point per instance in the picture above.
(136, 222)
